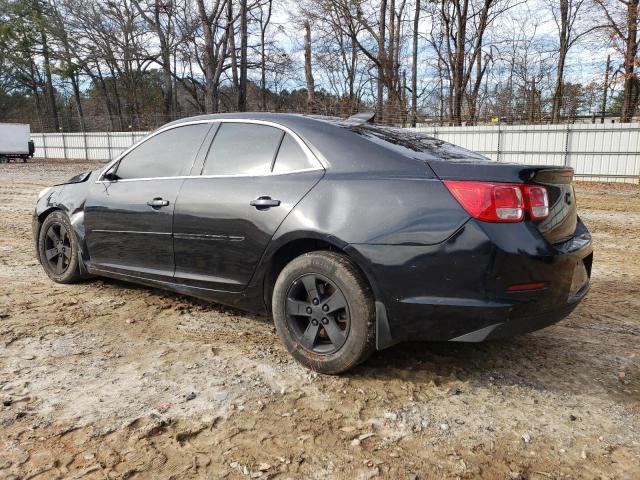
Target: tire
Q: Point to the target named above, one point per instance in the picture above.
(63, 268)
(324, 336)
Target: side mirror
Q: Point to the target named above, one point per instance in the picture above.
(110, 175)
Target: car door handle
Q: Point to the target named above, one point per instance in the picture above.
(262, 203)
(158, 202)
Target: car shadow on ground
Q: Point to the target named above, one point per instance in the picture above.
(538, 361)
(548, 360)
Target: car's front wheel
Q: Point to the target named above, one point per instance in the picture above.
(58, 249)
(324, 312)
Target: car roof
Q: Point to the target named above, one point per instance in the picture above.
(346, 145)
(290, 120)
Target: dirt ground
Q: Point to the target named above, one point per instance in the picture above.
(107, 380)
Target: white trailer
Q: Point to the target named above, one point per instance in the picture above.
(15, 142)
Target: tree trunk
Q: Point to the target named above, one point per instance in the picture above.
(75, 83)
(242, 90)
(211, 88)
(76, 97)
(475, 90)
(167, 80)
(263, 60)
(605, 91)
(562, 55)
(51, 93)
(458, 76)
(391, 79)
(232, 46)
(414, 69)
(399, 81)
(353, 101)
(99, 79)
(156, 25)
(381, 62)
(308, 72)
(263, 74)
(631, 82)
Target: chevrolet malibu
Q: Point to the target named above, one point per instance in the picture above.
(354, 237)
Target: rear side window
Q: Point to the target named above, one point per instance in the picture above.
(242, 148)
(290, 157)
(167, 154)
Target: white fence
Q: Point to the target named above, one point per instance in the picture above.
(101, 146)
(606, 152)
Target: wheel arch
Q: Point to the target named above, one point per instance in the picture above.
(296, 245)
(293, 247)
(77, 224)
(45, 213)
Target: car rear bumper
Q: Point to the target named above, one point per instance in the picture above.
(510, 327)
(459, 290)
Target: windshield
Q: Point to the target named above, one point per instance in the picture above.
(414, 144)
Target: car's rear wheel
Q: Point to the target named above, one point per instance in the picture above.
(324, 312)
(58, 249)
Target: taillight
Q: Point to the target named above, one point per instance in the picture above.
(537, 201)
(489, 202)
(500, 202)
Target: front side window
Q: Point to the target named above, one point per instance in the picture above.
(167, 154)
(242, 149)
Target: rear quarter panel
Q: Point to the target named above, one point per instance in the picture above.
(377, 209)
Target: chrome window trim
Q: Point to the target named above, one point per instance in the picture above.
(310, 155)
(237, 175)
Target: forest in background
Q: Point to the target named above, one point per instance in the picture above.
(96, 65)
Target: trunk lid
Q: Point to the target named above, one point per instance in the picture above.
(560, 225)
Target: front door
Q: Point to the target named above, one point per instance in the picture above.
(252, 178)
(129, 212)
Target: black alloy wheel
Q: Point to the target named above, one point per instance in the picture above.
(324, 313)
(57, 248)
(317, 314)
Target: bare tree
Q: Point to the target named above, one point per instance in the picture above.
(605, 89)
(215, 49)
(414, 65)
(158, 16)
(136, 62)
(567, 15)
(463, 47)
(308, 72)
(232, 46)
(265, 18)
(381, 50)
(338, 65)
(380, 59)
(623, 17)
(242, 90)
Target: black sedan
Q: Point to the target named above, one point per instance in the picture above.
(353, 236)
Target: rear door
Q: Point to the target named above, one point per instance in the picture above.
(252, 177)
(129, 215)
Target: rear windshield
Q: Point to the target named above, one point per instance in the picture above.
(414, 144)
